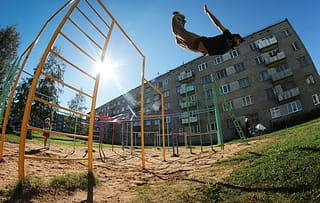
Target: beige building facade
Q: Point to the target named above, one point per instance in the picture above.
(270, 79)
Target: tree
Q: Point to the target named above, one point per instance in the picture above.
(47, 89)
(78, 104)
(9, 44)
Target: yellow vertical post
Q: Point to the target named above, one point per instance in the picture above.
(142, 114)
(91, 124)
(163, 134)
(27, 111)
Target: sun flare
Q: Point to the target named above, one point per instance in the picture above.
(106, 69)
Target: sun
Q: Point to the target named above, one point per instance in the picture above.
(106, 69)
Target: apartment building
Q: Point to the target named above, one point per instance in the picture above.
(269, 79)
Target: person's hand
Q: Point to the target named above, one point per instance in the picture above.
(205, 8)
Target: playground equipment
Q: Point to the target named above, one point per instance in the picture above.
(105, 30)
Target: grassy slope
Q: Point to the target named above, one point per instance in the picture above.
(283, 168)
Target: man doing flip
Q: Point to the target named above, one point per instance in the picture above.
(216, 45)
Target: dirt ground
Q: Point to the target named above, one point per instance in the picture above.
(120, 173)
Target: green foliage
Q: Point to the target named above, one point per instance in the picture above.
(211, 192)
(72, 181)
(9, 44)
(25, 190)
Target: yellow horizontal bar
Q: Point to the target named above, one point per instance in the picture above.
(65, 84)
(84, 15)
(58, 133)
(53, 159)
(73, 65)
(78, 47)
(85, 34)
(60, 107)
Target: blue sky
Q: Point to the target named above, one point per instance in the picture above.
(148, 23)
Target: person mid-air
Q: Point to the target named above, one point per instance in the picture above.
(216, 45)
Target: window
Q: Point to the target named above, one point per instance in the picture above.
(202, 66)
(165, 82)
(168, 119)
(239, 67)
(270, 93)
(310, 80)
(226, 88)
(228, 106)
(222, 74)
(260, 60)
(166, 93)
(286, 33)
(294, 106)
(246, 101)
(275, 112)
(316, 99)
(156, 97)
(147, 89)
(218, 60)
(211, 127)
(295, 46)
(178, 89)
(205, 79)
(302, 62)
(244, 82)
(208, 93)
(281, 68)
(148, 101)
(253, 46)
(234, 53)
(167, 106)
(264, 75)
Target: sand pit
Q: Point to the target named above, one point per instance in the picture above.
(120, 173)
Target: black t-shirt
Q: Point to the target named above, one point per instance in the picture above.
(219, 44)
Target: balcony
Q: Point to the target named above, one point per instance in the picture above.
(288, 94)
(186, 104)
(271, 58)
(192, 119)
(186, 89)
(267, 43)
(185, 75)
(281, 75)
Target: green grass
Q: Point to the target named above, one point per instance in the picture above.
(283, 168)
(25, 191)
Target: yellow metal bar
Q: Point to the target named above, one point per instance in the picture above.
(142, 116)
(67, 85)
(53, 159)
(14, 87)
(121, 29)
(91, 124)
(58, 133)
(162, 119)
(86, 17)
(99, 16)
(78, 47)
(73, 65)
(27, 111)
(84, 33)
(58, 106)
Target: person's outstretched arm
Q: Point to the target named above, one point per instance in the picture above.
(214, 19)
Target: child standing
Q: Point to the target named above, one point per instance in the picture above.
(46, 135)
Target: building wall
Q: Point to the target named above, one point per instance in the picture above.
(268, 78)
